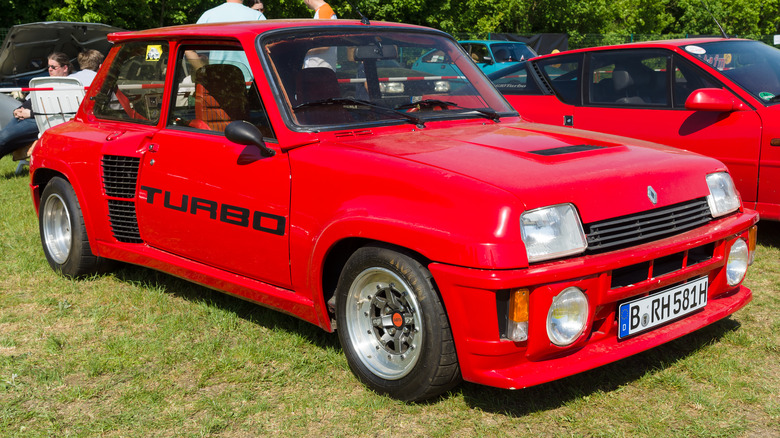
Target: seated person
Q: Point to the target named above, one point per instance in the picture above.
(22, 128)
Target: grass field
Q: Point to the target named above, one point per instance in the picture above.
(138, 353)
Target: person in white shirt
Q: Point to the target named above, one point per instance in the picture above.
(231, 10)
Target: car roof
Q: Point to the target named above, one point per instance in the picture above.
(667, 44)
(490, 42)
(247, 28)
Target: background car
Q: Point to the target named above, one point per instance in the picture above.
(718, 97)
(490, 56)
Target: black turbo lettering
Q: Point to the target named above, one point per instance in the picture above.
(204, 204)
(181, 207)
(231, 214)
(150, 192)
(278, 220)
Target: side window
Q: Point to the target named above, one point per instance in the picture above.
(563, 74)
(517, 82)
(687, 79)
(478, 52)
(213, 87)
(629, 78)
(133, 88)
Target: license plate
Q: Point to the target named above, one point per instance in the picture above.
(651, 311)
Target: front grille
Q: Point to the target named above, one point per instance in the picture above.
(120, 175)
(634, 229)
(124, 224)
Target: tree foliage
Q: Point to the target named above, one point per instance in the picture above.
(478, 17)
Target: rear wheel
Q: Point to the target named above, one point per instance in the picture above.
(63, 234)
(393, 327)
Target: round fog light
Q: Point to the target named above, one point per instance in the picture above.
(738, 262)
(567, 316)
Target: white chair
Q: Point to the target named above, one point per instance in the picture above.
(54, 106)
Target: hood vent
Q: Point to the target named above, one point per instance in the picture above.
(566, 150)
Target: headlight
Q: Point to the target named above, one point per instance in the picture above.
(441, 86)
(391, 87)
(567, 316)
(737, 264)
(552, 232)
(723, 198)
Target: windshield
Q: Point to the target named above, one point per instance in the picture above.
(753, 65)
(371, 76)
(510, 52)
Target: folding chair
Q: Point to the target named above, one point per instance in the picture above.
(52, 107)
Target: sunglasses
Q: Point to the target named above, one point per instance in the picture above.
(54, 67)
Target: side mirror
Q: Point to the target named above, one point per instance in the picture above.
(487, 60)
(713, 99)
(247, 134)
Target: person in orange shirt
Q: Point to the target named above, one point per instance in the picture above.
(322, 56)
(321, 9)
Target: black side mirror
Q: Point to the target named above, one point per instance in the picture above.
(245, 133)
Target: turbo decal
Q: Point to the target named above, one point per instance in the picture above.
(226, 213)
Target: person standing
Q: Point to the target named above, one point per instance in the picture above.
(231, 10)
(258, 6)
(322, 10)
(322, 56)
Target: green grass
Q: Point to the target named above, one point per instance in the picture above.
(139, 353)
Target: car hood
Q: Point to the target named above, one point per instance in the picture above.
(26, 47)
(603, 175)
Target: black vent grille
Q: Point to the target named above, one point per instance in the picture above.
(634, 229)
(124, 224)
(566, 149)
(544, 82)
(120, 175)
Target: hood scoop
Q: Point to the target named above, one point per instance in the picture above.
(566, 150)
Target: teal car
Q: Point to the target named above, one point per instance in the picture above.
(490, 56)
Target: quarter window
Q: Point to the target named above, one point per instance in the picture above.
(133, 88)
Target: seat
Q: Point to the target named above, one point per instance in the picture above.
(54, 100)
(313, 85)
(220, 96)
(624, 88)
(502, 55)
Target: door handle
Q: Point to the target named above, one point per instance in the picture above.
(774, 142)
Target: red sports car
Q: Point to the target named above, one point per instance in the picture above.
(305, 166)
(715, 96)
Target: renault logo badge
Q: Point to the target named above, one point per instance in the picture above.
(652, 195)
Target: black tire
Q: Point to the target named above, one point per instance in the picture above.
(392, 326)
(63, 235)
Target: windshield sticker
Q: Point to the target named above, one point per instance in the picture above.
(765, 95)
(696, 50)
(153, 53)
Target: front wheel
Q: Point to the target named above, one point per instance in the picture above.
(392, 326)
(63, 234)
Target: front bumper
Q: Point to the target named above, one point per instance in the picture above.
(473, 298)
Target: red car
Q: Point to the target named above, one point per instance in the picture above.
(715, 96)
(416, 215)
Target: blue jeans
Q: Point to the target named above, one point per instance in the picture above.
(16, 134)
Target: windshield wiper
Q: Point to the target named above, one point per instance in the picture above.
(350, 100)
(430, 103)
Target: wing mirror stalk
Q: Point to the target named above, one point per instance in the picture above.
(245, 133)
